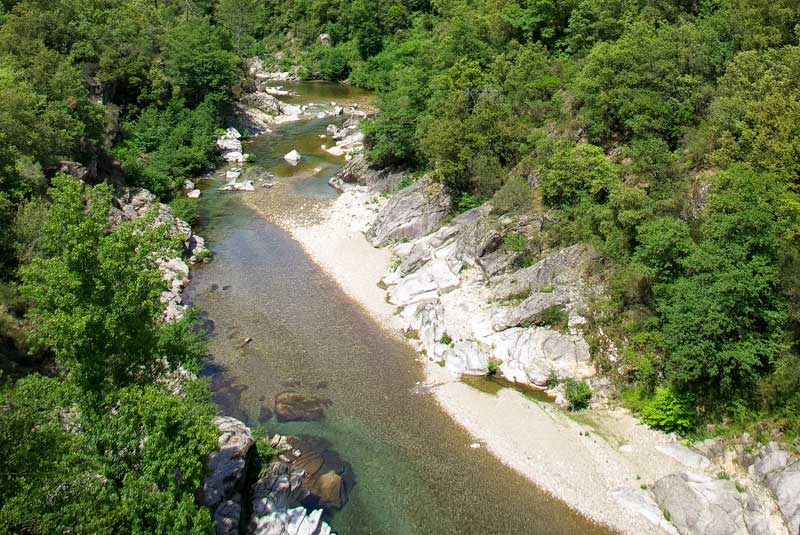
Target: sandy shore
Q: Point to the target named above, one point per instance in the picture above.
(581, 460)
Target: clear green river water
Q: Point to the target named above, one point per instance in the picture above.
(413, 471)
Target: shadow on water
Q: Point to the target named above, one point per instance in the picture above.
(414, 472)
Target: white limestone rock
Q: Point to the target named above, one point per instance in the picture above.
(293, 157)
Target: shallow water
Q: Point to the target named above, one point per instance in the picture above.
(415, 472)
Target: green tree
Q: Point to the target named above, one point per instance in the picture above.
(577, 172)
(239, 17)
(199, 61)
(724, 320)
(96, 293)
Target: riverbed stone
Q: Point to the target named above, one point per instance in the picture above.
(295, 406)
(293, 157)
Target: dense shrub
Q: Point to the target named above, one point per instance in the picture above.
(513, 197)
(669, 411)
(186, 209)
(578, 394)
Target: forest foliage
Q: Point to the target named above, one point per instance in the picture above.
(665, 133)
(105, 439)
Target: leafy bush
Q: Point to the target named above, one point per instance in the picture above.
(513, 197)
(669, 411)
(186, 209)
(466, 202)
(165, 145)
(446, 339)
(493, 366)
(519, 245)
(578, 394)
(332, 62)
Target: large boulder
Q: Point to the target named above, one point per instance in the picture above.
(263, 101)
(359, 172)
(779, 471)
(428, 282)
(276, 505)
(697, 504)
(286, 500)
(412, 212)
(534, 355)
(221, 491)
(468, 357)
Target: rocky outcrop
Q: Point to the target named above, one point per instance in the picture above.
(134, 203)
(222, 489)
(262, 101)
(698, 504)
(641, 503)
(489, 316)
(230, 146)
(411, 213)
(276, 508)
(358, 172)
(275, 500)
(75, 169)
(779, 470)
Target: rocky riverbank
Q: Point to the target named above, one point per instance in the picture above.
(468, 304)
(460, 293)
(259, 489)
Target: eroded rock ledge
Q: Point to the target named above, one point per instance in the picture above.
(133, 203)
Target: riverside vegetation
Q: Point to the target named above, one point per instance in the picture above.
(663, 133)
(96, 433)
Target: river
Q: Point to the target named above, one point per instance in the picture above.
(413, 470)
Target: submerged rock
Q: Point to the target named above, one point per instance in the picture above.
(294, 406)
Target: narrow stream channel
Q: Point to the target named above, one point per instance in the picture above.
(414, 470)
